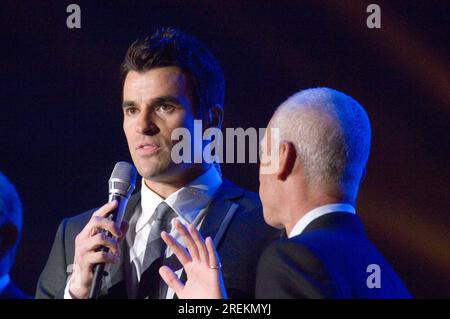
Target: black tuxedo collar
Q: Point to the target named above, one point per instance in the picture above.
(220, 211)
(337, 220)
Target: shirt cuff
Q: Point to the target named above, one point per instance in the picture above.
(67, 294)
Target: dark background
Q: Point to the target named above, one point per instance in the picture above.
(60, 122)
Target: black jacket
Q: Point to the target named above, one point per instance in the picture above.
(234, 220)
(331, 258)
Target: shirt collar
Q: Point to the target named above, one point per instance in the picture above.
(187, 202)
(318, 212)
(4, 281)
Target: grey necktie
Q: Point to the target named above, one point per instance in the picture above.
(149, 285)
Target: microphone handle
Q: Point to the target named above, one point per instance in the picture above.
(99, 273)
(99, 269)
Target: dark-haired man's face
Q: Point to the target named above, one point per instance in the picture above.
(156, 102)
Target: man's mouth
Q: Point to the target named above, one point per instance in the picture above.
(147, 148)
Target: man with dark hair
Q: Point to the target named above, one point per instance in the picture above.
(10, 228)
(169, 47)
(170, 79)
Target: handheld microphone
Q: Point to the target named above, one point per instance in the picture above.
(121, 184)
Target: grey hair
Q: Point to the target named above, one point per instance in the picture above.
(331, 133)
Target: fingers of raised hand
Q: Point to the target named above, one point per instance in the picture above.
(179, 251)
(171, 279)
(214, 260)
(200, 244)
(188, 240)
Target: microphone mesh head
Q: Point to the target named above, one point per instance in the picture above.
(123, 178)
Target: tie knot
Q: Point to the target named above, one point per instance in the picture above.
(163, 216)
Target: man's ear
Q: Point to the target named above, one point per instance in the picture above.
(8, 237)
(287, 156)
(214, 118)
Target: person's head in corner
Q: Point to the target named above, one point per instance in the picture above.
(10, 224)
(323, 148)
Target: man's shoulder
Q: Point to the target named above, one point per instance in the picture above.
(288, 248)
(287, 269)
(248, 219)
(331, 231)
(245, 198)
(80, 220)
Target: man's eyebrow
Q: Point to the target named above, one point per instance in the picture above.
(165, 99)
(155, 101)
(128, 104)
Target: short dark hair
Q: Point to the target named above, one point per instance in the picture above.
(172, 47)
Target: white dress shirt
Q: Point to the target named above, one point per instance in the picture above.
(318, 212)
(189, 203)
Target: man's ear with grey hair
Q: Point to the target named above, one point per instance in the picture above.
(287, 157)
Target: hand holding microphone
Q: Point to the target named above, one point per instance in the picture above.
(98, 242)
(87, 253)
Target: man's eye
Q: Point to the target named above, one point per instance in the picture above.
(131, 111)
(165, 108)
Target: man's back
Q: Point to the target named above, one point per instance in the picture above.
(332, 258)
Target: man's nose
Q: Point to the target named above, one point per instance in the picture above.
(146, 125)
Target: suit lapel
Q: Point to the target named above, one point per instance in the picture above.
(220, 211)
(219, 214)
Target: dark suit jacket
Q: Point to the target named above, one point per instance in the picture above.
(11, 291)
(234, 220)
(329, 259)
